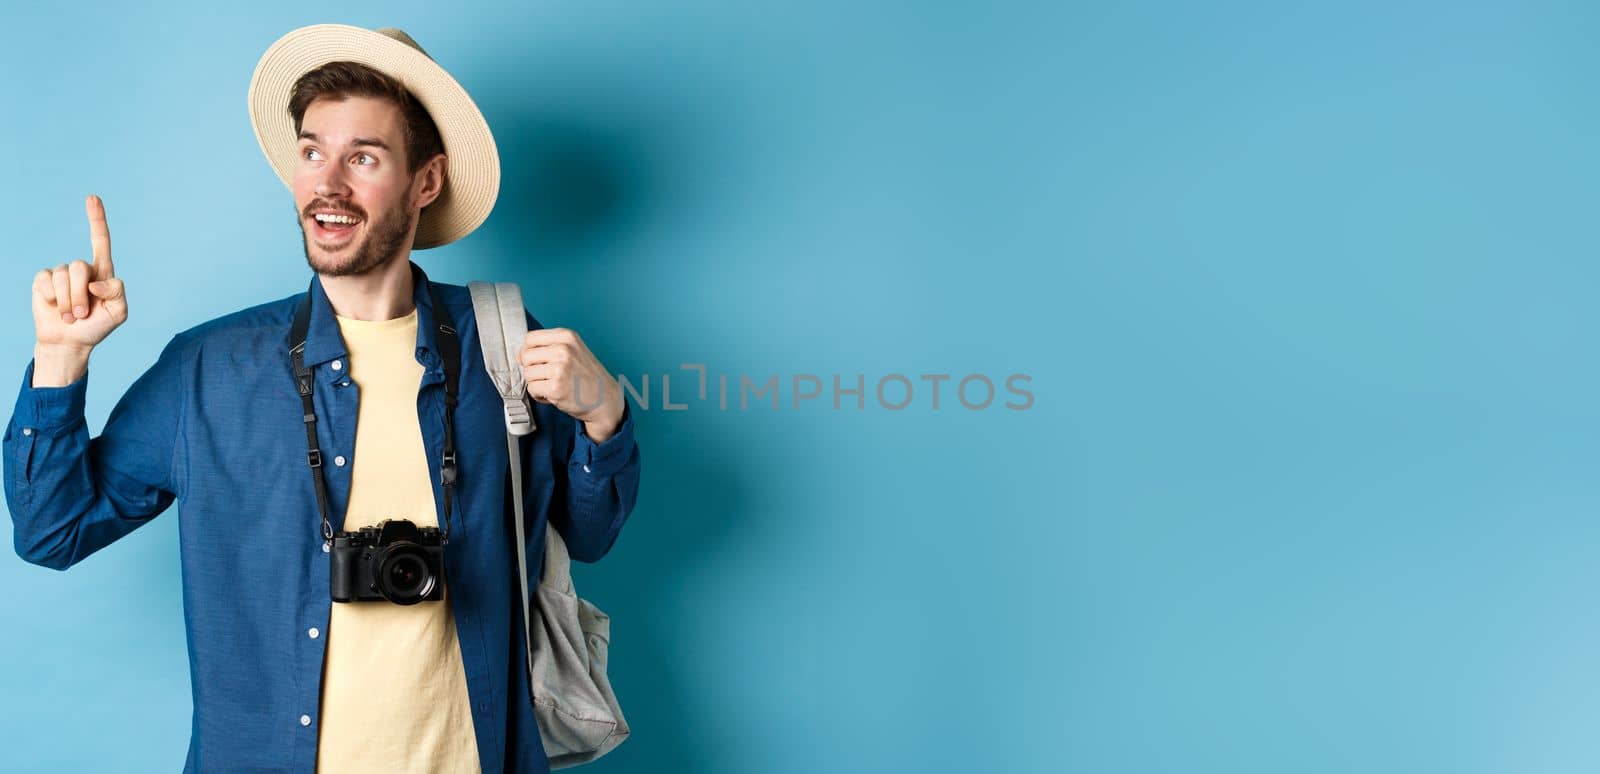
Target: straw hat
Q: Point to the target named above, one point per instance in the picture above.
(472, 175)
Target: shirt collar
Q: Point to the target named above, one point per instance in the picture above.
(324, 342)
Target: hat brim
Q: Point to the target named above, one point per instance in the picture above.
(472, 179)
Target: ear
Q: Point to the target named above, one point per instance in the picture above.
(429, 182)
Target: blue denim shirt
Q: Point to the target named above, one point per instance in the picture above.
(216, 425)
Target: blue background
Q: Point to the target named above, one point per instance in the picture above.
(1306, 292)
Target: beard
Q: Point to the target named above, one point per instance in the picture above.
(381, 241)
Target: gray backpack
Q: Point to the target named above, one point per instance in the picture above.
(579, 719)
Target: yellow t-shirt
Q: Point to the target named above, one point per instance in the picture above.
(394, 693)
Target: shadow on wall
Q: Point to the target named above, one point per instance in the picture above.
(565, 188)
(570, 191)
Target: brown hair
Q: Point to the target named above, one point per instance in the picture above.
(341, 80)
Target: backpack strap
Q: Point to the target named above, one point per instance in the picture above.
(501, 328)
(499, 312)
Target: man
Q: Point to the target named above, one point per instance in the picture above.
(285, 679)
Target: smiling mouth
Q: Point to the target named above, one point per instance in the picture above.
(333, 232)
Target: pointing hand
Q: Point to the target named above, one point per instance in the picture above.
(76, 305)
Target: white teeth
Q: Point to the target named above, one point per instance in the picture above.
(324, 218)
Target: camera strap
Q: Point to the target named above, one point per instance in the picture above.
(449, 352)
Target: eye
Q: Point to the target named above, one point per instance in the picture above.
(306, 151)
(367, 156)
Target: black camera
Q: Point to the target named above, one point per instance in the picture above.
(395, 560)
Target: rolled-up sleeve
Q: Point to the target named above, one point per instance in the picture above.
(602, 487)
(70, 495)
(611, 456)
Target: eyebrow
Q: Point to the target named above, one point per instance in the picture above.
(357, 142)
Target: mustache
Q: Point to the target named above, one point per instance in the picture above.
(332, 208)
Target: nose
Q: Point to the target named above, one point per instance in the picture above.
(331, 183)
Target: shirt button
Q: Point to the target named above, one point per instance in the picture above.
(324, 546)
(337, 365)
(586, 468)
(305, 720)
(313, 633)
(27, 431)
(339, 460)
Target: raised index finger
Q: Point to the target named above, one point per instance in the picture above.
(99, 237)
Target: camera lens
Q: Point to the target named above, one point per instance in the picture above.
(403, 575)
(406, 574)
